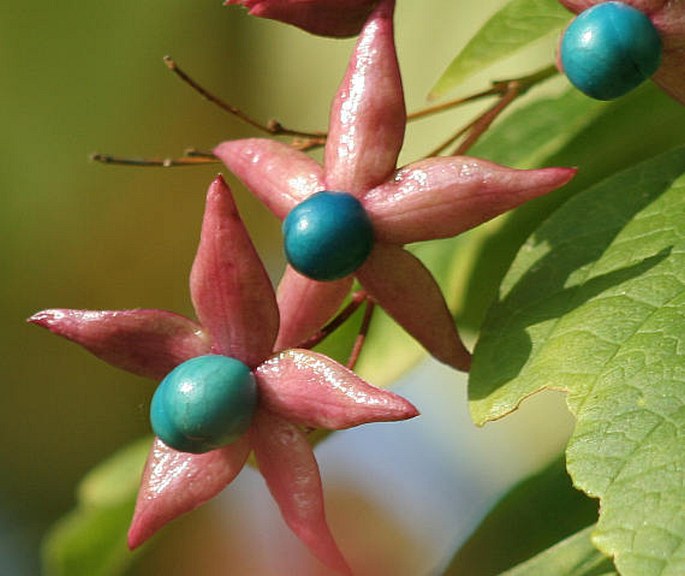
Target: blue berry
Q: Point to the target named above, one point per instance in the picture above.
(204, 403)
(610, 49)
(328, 235)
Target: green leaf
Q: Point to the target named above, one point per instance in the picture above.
(516, 25)
(91, 540)
(594, 304)
(524, 139)
(575, 556)
(544, 508)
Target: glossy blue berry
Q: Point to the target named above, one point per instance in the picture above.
(328, 235)
(204, 403)
(610, 49)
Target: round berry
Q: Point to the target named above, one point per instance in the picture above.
(204, 403)
(610, 49)
(328, 235)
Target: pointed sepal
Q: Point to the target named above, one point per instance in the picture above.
(313, 390)
(336, 18)
(406, 290)
(149, 343)
(443, 197)
(287, 463)
(175, 482)
(229, 286)
(306, 305)
(368, 116)
(280, 176)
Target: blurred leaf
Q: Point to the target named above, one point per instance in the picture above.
(91, 540)
(516, 25)
(575, 556)
(543, 509)
(594, 304)
(115, 479)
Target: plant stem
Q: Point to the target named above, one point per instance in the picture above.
(194, 160)
(357, 300)
(272, 127)
(361, 337)
(507, 90)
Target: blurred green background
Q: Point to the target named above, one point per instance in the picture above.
(82, 77)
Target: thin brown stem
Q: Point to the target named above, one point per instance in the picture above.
(483, 122)
(508, 90)
(435, 109)
(361, 336)
(305, 144)
(272, 127)
(357, 300)
(157, 162)
(498, 88)
(451, 140)
(195, 153)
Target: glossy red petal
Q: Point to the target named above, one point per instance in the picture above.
(176, 482)
(337, 18)
(149, 343)
(288, 465)
(280, 176)
(306, 305)
(443, 197)
(311, 389)
(406, 290)
(368, 116)
(230, 289)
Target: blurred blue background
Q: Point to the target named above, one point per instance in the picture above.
(84, 77)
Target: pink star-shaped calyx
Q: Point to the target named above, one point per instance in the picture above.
(432, 198)
(668, 17)
(338, 18)
(238, 317)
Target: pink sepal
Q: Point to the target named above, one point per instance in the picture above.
(313, 390)
(646, 6)
(338, 18)
(287, 463)
(280, 176)
(577, 6)
(176, 482)
(368, 117)
(670, 76)
(443, 197)
(230, 289)
(149, 343)
(306, 305)
(406, 290)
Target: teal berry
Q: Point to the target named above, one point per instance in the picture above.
(328, 235)
(610, 49)
(205, 403)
